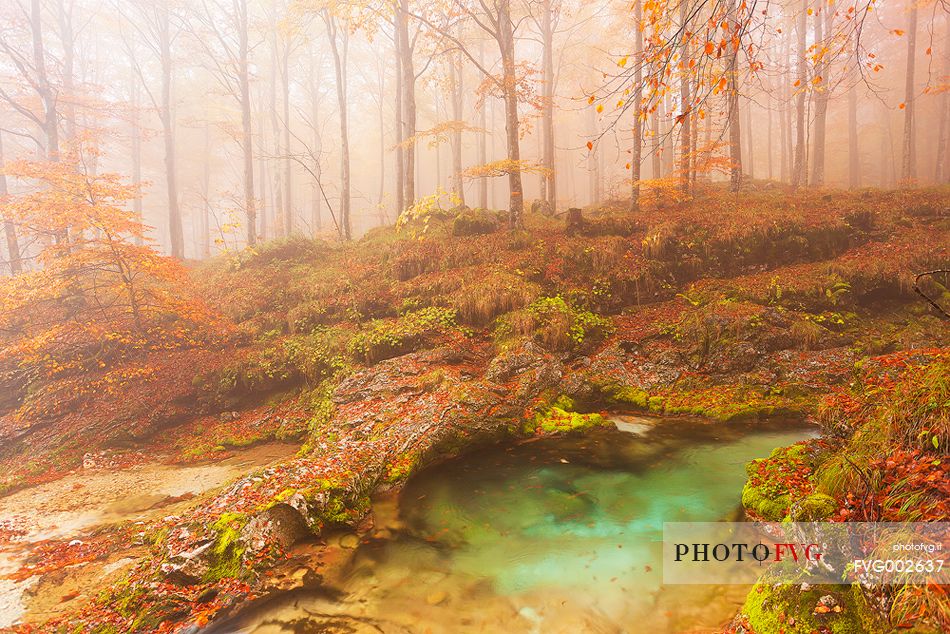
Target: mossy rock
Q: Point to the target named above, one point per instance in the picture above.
(227, 552)
(334, 506)
(813, 508)
(559, 421)
(628, 395)
(772, 608)
(768, 507)
(474, 222)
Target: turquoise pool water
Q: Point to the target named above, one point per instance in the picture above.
(550, 535)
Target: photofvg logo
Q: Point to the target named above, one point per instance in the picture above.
(817, 552)
(702, 552)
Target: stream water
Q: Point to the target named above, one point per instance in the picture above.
(68, 508)
(552, 535)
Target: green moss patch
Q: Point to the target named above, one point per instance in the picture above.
(560, 418)
(555, 323)
(780, 480)
(384, 339)
(770, 609)
(227, 551)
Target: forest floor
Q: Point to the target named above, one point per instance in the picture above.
(390, 354)
(88, 511)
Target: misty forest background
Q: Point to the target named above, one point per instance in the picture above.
(245, 121)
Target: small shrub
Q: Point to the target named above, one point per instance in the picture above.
(806, 334)
(485, 299)
(428, 211)
(292, 249)
(287, 361)
(385, 339)
(415, 258)
(556, 324)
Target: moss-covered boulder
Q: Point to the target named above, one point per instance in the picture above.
(279, 527)
(626, 395)
(813, 508)
(794, 609)
(561, 418)
(779, 481)
(473, 222)
(768, 506)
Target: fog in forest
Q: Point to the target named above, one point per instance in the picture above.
(245, 120)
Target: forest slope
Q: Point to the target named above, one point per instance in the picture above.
(410, 345)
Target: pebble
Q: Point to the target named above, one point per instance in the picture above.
(436, 597)
(828, 601)
(349, 541)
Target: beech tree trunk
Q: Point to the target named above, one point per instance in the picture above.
(769, 148)
(750, 138)
(340, 71)
(732, 108)
(593, 167)
(262, 192)
(247, 133)
(9, 229)
(381, 194)
(636, 154)
(549, 177)
(668, 152)
(66, 36)
(280, 228)
(455, 72)
(909, 154)
(708, 153)
(135, 99)
(854, 157)
(175, 233)
(408, 103)
(50, 120)
(206, 195)
(493, 119)
(506, 44)
(316, 194)
(482, 138)
(798, 169)
(821, 101)
(400, 151)
(42, 87)
(940, 165)
(941, 172)
(785, 119)
(685, 101)
(288, 161)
